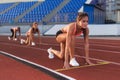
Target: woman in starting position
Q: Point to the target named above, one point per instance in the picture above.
(14, 31)
(66, 38)
(30, 35)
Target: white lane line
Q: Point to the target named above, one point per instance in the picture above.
(75, 55)
(56, 45)
(82, 44)
(105, 45)
(99, 60)
(100, 50)
(24, 46)
(100, 45)
(83, 48)
(38, 65)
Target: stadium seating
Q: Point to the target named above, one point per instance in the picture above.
(10, 15)
(67, 13)
(38, 13)
(4, 6)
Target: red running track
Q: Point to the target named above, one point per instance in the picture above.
(11, 69)
(100, 50)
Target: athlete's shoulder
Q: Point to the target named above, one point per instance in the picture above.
(72, 24)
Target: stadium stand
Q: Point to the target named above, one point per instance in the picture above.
(41, 11)
(4, 6)
(28, 12)
(69, 12)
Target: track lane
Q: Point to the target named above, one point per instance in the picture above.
(115, 68)
(11, 69)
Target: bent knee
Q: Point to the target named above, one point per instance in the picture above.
(58, 40)
(61, 56)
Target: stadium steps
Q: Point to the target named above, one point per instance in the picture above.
(49, 16)
(15, 4)
(24, 13)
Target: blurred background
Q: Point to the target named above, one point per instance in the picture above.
(51, 15)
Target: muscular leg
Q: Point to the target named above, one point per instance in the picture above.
(61, 38)
(27, 40)
(15, 34)
(72, 48)
(12, 33)
(61, 52)
(73, 61)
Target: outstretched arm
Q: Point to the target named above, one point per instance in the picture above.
(39, 36)
(30, 37)
(14, 33)
(19, 33)
(68, 46)
(86, 43)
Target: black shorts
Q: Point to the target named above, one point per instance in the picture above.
(12, 33)
(58, 32)
(12, 30)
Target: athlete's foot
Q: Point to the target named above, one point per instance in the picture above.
(51, 55)
(66, 65)
(15, 39)
(28, 44)
(73, 62)
(21, 41)
(9, 38)
(33, 44)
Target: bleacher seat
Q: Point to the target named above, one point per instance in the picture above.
(42, 10)
(67, 14)
(16, 11)
(69, 11)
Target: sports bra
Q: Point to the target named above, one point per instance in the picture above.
(74, 32)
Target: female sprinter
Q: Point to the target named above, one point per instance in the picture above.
(30, 35)
(66, 38)
(14, 31)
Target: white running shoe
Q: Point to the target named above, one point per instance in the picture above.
(73, 62)
(33, 44)
(9, 38)
(51, 55)
(15, 39)
(22, 41)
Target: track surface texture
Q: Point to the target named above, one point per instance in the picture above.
(104, 53)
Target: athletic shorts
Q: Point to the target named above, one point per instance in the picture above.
(12, 30)
(58, 32)
(12, 33)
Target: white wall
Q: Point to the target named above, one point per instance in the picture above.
(54, 29)
(5, 30)
(95, 30)
(111, 29)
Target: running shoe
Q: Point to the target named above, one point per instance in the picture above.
(51, 55)
(9, 38)
(73, 62)
(15, 39)
(21, 41)
(33, 44)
